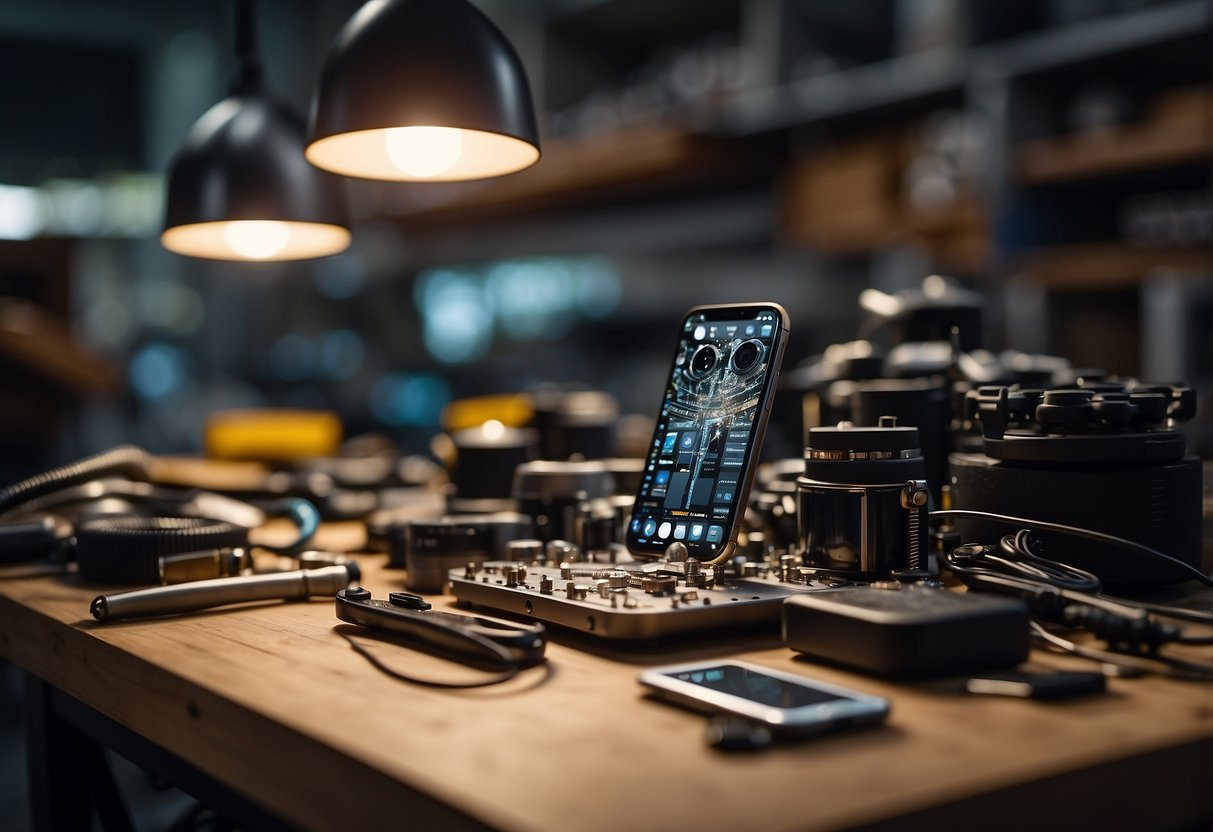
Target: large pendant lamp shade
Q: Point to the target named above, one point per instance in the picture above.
(240, 187)
(422, 90)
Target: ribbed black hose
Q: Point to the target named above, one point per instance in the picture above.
(127, 550)
(125, 460)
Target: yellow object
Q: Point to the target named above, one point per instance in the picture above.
(511, 410)
(272, 434)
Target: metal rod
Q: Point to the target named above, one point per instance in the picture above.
(217, 592)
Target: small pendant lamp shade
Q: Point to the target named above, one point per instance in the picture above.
(422, 90)
(240, 187)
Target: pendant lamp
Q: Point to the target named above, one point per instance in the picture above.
(422, 91)
(240, 187)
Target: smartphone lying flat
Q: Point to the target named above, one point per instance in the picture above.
(784, 702)
(709, 430)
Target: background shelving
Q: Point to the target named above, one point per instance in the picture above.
(1053, 154)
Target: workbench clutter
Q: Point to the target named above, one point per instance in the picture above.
(610, 576)
(533, 514)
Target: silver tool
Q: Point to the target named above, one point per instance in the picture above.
(218, 592)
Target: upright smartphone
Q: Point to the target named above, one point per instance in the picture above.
(783, 702)
(709, 430)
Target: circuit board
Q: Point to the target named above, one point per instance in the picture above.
(631, 600)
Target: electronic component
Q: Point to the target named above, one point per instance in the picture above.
(635, 600)
(862, 502)
(1103, 457)
(549, 492)
(429, 548)
(908, 631)
(1060, 685)
(709, 430)
(781, 702)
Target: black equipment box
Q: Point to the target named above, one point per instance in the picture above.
(910, 631)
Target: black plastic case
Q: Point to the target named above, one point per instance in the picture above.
(912, 631)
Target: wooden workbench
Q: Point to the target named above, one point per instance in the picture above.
(272, 705)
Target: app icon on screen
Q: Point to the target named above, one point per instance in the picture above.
(650, 526)
(715, 533)
(671, 439)
(696, 531)
(662, 476)
(680, 531)
(663, 531)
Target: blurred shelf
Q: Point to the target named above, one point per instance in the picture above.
(906, 81)
(1183, 135)
(699, 145)
(1108, 266)
(40, 343)
(1098, 38)
(618, 166)
(887, 85)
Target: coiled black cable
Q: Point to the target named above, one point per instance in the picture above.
(125, 460)
(1187, 570)
(1022, 559)
(128, 550)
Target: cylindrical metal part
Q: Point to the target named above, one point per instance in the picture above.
(201, 595)
(550, 492)
(862, 508)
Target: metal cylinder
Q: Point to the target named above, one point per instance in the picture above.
(862, 505)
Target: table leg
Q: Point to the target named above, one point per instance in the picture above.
(69, 776)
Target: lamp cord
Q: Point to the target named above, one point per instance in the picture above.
(248, 57)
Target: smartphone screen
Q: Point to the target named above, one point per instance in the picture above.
(709, 430)
(782, 701)
(763, 688)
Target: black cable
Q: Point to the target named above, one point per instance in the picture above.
(1127, 629)
(1090, 534)
(1023, 559)
(1165, 610)
(1167, 666)
(510, 672)
(125, 460)
(248, 56)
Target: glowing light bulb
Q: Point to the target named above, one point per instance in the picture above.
(493, 429)
(424, 152)
(257, 239)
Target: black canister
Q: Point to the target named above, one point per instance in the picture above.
(862, 502)
(550, 492)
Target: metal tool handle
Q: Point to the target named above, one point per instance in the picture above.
(201, 595)
(447, 633)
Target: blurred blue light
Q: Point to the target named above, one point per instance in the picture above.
(598, 287)
(405, 400)
(457, 315)
(526, 299)
(156, 371)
